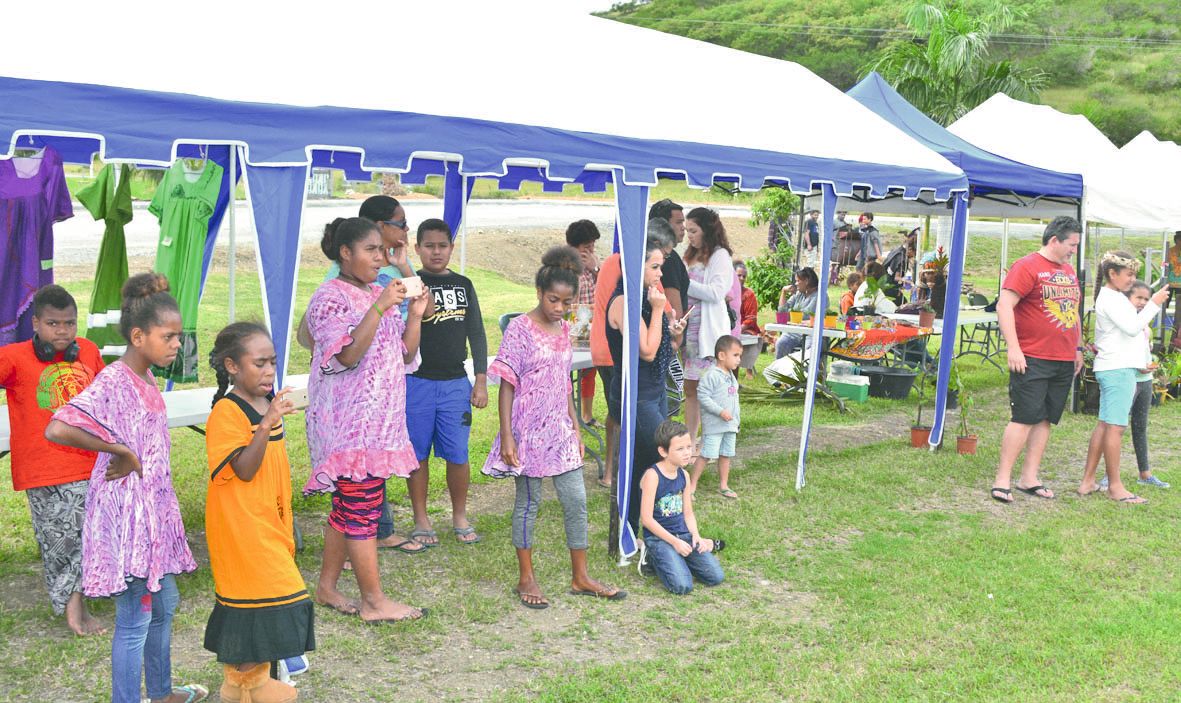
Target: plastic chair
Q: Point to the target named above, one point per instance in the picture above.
(505, 319)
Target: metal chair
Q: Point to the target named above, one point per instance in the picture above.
(983, 339)
(507, 318)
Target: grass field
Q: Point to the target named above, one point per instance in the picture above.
(891, 577)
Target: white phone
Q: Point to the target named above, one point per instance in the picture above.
(414, 286)
(298, 397)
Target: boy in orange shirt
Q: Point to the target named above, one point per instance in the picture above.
(39, 376)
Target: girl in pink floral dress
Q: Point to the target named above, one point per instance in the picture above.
(539, 435)
(133, 539)
(356, 419)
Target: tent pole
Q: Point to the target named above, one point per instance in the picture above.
(1000, 274)
(1081, 272)
(233, 205)
(463, 225)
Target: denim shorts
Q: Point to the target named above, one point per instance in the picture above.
(720, 444)
(439, 415)
(1117, 389)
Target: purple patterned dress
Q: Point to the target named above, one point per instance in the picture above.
(133, 527)
(356, 417)
(537, 364)
(33, 196)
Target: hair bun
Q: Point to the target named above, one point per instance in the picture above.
(144, 285)
(563, 257)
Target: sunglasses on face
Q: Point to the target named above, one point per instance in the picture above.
(400, 224)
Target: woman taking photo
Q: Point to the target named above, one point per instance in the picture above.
(711, 276)
(356, 420)
(656, 355)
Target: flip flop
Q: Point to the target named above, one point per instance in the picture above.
(594, 424)
(1005, 491)
(727, 493)
(532, 606)
(195, 693)
(1133, 500)
(389, 621)
(606, 595)
(604, 484)
(416, 533)
(401, 547)
(1033, 491)
(464, 532)
(341, 608)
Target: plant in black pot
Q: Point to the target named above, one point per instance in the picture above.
(938, 268)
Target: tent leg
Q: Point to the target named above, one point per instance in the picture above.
(1004, 263)
(233, 205)
(463, 227)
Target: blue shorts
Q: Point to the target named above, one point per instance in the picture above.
(720, 444)
(439, 414)
(1117, 389)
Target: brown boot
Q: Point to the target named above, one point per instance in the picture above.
(255, 686)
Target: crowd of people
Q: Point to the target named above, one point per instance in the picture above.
(387, 391)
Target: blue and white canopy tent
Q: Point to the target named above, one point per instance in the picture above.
(998, 187)
(283, 107)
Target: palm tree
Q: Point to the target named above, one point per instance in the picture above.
(943, 67)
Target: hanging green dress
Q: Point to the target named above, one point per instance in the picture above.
(184, 202)
(111, 202)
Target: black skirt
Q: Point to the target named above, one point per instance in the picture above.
(242, 635)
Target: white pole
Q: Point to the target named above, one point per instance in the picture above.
(462, 224)
(1004, 256)
(233, 205)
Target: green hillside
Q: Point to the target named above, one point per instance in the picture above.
(1116, 61)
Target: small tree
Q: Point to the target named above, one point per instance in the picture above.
(770, 271)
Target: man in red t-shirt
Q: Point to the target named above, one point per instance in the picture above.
(1041, 319)
(39, 376)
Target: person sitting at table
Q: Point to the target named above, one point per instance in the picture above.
(803, 297)
(881, 304)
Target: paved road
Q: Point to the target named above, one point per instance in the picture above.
(77, 239)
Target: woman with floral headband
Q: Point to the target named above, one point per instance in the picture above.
(1119, 330)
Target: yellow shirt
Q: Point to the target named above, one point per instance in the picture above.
(248, 524)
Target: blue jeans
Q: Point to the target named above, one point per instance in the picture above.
(141, 646)
(675, 571)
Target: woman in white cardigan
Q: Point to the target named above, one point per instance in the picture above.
(1119, 343)
(711, 276)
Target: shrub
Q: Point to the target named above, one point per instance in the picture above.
(1067, 64)
(769, 272)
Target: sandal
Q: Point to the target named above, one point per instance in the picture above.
(1133, 500)
(195, 692)
(1033, 491)
(727, 493)
(1004, 492)
(464, 532)
(540, 604)
(607, 593)
(416, 533)
(404, 547)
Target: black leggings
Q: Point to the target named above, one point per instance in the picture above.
(1141, 402)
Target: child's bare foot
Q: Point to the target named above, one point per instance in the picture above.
(386, 610)
(587, 586)
(332, 598)
(79, 619)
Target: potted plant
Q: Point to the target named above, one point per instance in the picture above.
(965, 442)
(831, 319)
(938, 266)
(920, 434)
(926, 315)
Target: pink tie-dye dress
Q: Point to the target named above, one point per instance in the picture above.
(133, 527)
(537, 365)
(356, 417)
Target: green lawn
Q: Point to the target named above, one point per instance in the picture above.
(873, 584)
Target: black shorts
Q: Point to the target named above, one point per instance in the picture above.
(1040, 393)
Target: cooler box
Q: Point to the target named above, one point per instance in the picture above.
(854, 388)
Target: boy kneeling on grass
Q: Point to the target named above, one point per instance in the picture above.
(674, 548)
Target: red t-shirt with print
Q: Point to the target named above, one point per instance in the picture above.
(34, 390)
(1047, 316)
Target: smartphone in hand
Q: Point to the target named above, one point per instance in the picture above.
(414, 286)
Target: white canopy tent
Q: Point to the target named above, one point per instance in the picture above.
(490, 88)
(1116, 194)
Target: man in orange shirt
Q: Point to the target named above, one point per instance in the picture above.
(39, 376)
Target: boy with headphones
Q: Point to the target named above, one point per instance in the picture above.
(39, 376)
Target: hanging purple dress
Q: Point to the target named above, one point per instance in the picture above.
(33, 196)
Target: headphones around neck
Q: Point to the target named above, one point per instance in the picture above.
(45, 351)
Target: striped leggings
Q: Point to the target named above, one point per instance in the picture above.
(571, 494)
(356, 507)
